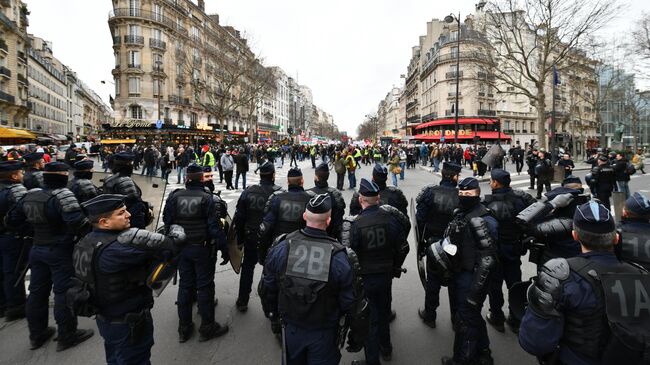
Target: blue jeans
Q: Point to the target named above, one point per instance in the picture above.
(196, 271)
(378, 288)
(436, 165)
(352, 179)
(624, 187)
(119, 347)
(243, 177)
(402, 166)
(51, 266)
(181, 174)
(393, 178)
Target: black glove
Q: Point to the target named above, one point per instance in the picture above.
(225, 257)
(353, 345)
(276, 324)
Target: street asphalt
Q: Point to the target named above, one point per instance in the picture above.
(250, 340)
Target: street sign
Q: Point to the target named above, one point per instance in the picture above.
(159, 124)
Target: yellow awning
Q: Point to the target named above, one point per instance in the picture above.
(117, 141)
(16, 133)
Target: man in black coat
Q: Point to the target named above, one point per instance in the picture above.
(241, 163)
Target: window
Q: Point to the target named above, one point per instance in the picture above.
(134, 86)
(179, 69)
(157, 12)
(134, 29)
(135, 111)
(532, 127)
(157, 61)
(180, 118)
(134, 7)
(517, 127)
(193, 119)
(196, 75)
(158, 86)
(117, 59)
(454, 51)
(453, 35)
(157, 34)
(117, 87)
(134, 59)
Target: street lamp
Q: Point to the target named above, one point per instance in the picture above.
(450, 19)
(159, 96)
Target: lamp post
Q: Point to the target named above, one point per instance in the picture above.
(159, 96)
(450, 19)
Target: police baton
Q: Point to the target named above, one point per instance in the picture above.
(21, 276)
(284, 345)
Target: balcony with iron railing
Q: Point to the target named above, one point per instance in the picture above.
(146, 15)
(196, 61)
(177, 6)
(453, 74)
(3, 46)
(411, 104)
(453, 94)
(7, 98)
(5, 72)
(134, 39)
(117, 40)
(22, 79)
(449, 112)
(157, 43)
(488, 113)
(134, 65)
(177, 100)
(21, 57)
(180, 54)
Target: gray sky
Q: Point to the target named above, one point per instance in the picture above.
(349, 52)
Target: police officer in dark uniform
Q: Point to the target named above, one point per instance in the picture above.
(55, 217)
(122, 183)
(332, 281)
(635, 231)
(198, 211)
(81, 185)
(114, 261)
(247, 219)
(531, 162)
(435, 206)
(12, 297)
(549, 222)
(505, 203)
(322, 173)
(207, 178)
(468, 255)
(283, 212)
(389, 195)
(567, 322)
(379, 237)
(34, 164)
(602, 181)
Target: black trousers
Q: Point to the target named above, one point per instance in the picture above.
(541, 184)
(228, 176)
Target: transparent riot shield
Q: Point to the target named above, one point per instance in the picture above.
(153, 192)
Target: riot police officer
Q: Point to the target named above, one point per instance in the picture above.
(567, 321)
(531, 162)
(247, 219)
(379, 237)
(549, 222)
(467, 255)
(603, 181)
(505, 203)
(635, 231)
(34, 164)
(435, 206)
(12, 251)
(113, 262)
(389, 195)
(198, 211)
(283, 212)
(55, 217)
(322, 173)
(332, 281)
(122, 183)
(81, 185)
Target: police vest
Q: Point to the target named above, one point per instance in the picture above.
(444, 201)
(33, 179)
(256, 198)
(47, 229)
(290, 209)
(375, 251)
(191, 213)
(83, 189)
(14, 193)
(390, 196)
(306, 295)
(107, 289)
(635, 245)
(622, 313)
(120, 184)
(468, 246)
(504, 209)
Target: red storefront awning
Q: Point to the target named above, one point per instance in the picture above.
(488, 121)
(484, 135)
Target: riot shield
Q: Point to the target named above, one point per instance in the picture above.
(618, 203)
(153, 192)
(235, 250)
(494, 156)
(422, 272)
(517, 299)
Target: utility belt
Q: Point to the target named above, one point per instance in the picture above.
(137, 323)
(204, 243)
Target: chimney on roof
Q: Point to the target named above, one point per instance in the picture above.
(201, 5)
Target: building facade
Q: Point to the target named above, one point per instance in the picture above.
(14, 45)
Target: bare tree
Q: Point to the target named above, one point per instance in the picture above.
(368, 129)
(530, 38)
(641, 36)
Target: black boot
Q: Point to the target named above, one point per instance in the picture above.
(495, 323)
(15, 313)
(242, 305)
(185, 332)
(212, 330)
(513, 324)
(485, 358)
(73, 339)
(431, 322)
(40, 339)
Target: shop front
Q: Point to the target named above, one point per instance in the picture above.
(145, 132)
(470, 131)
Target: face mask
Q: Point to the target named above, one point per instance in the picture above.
(468, 202)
